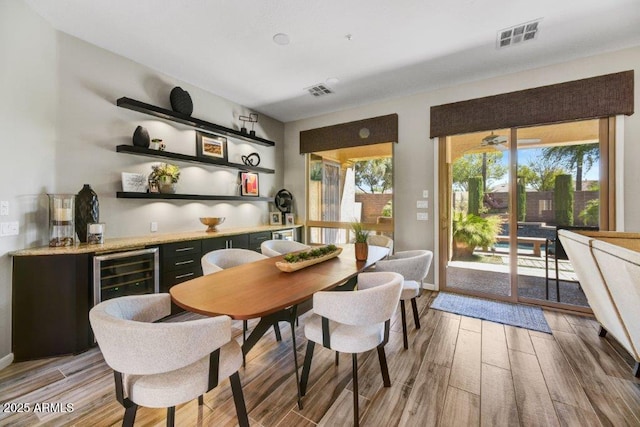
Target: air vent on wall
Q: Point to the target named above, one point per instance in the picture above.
(518, 34)
(319, 90)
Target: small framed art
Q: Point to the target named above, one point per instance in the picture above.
(275, 218)
(249, 185)
(211, 146)
(289, 219)
(134, 182)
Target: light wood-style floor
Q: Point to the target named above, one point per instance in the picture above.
(458, 371)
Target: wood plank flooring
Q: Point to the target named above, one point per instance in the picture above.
(458, 371)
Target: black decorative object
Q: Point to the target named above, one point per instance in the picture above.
(251, 118)
(284, 201)
(141, 137)
(181, 101)
(252, 159)
(87, 211)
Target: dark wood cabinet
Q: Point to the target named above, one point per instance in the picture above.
(50, 309)
(256, 239)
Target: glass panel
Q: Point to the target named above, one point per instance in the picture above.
(558, 176)
(347, 185)
(479, 231)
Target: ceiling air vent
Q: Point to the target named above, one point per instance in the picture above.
(319, 90)
(518, 34)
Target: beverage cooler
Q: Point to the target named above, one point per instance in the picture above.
(125, 273)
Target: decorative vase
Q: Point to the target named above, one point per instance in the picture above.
(362, 251)
(181, 101)
(166, 185)
(141, 137)
(87, 211)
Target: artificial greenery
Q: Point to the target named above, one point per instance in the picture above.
(360, 233)
(311, 254)
(162, 170)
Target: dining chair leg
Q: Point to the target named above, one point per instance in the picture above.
(416, 317)
(295, 358)
(129, 415)
(404, 325)
(171, 416)
(337, 358)
(200, 400)
(306, 367)
(384, 368)
(276, 329)
(238, 399)
(245, 326)
(356, 411)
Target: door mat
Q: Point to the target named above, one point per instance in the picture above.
(523, 316)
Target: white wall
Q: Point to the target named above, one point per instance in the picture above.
(414, 153)
(59, 128)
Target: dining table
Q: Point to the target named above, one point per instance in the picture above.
(259, 290)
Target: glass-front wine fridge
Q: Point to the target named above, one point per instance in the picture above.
(125, 273)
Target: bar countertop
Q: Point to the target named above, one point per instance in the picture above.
(128, 243)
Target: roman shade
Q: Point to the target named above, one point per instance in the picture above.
(375, 130)
(595, 97)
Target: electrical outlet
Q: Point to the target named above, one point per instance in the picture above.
(4, 208)
(422, 216)
(422, 204)
(9, 228)
(154, 226)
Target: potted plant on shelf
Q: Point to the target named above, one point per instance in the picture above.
(361, 246)
(166, 175)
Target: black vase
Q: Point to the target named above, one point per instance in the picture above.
(87, 211)
(141, 137)
(181, 101)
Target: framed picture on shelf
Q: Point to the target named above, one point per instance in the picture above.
(211, 146)
(289, 219)
(275, 218)
(134, 182)
(249, 184)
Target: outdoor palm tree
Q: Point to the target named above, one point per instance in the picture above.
(581, 157)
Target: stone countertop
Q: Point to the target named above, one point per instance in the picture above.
(129, 243)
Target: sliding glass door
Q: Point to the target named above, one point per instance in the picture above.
(505, 193)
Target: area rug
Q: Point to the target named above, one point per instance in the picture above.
(523, 316)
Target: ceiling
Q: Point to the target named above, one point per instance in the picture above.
(395, 48)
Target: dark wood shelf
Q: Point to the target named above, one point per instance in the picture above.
(131, 149)
(142, 107)
(177, 196)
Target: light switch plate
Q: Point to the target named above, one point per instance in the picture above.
(425, 194)
(9, 228)
(154, 226)
(4, 208)
(422, 216)
(422, 204)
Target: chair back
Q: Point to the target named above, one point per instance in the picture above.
(374, 302)
(132, 344)
(412, 265)
(226, 258)
(277, 247)
(560, 253)
(381, 240)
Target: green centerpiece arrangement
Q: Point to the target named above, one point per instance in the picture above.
(298, 260)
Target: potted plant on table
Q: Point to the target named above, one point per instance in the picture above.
(361, 246)
(166, 175)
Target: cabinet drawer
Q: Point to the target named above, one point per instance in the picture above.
(180, 262)
(171, 250)
(174, 277)
(255, 239)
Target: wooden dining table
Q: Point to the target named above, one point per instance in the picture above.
(260, 290)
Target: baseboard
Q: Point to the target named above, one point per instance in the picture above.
(6, 361)
(429, 286)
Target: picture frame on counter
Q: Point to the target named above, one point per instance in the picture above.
(134, 182)
(289, 219)
(275, 218)
(249, 184)
(211, 146)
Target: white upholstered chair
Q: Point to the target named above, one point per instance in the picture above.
(413, 266)
(226, 258)
(353, 322)
(164, 364)
(276, 247)
(380, 240)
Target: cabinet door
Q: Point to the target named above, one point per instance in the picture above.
(241, 241)
(209, 245)
(256, 239)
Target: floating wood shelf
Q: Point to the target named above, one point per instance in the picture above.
(177, 196)
(163, 113)
(131, 149)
